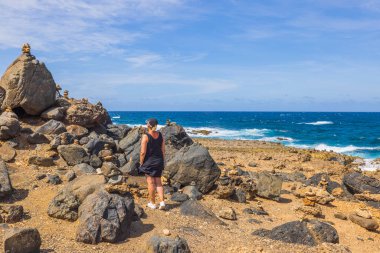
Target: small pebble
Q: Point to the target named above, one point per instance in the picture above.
(166, 232)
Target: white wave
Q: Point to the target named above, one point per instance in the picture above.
(318, 123)
(243, 134)
(370, 165)
(277, 139)
(345, 149)
(116, 117)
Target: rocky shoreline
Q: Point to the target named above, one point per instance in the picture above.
(69, 183)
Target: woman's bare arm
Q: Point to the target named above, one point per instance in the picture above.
(144, 143)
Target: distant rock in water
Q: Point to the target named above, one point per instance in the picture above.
(27, 84)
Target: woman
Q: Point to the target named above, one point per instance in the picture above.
(152, 162)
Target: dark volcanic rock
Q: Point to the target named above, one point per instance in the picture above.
(28, 84)
(57, 113)
(105, 217)
(192, 192)
(179, 197)
(9, 127)
(85, 114)
(239, 196)
(73, 154)
(195, 209)
(131, 145)
(83, 168)
(309, 233)
(52, 127)
(11, 214)
(96, 144)
(5, 182)
(37, 138)
(53, 179)
(22, 240)
(118, 132)
(175, 138)
(359, 183)
(193, 163)
(293, 177)
(167, 245)
(315, 179)
(66, 203)
(64, 206)
(41, 161)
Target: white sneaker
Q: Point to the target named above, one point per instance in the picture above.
(151, 205)
(162, 206)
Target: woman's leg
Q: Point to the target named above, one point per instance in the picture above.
(159, 188)
(151, 189)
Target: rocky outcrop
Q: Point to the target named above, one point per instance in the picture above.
(105, 217)
(9, 126)
(5, 181)
(73, 154)
(83, 113)
(77, 131)
(158, 244)
(193, 164)
(309, 233)
(22, 240)
(27, 84)
(359, 183)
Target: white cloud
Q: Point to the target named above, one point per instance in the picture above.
(144, 60)
(78, 25)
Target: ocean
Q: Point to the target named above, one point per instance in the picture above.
(356, 133)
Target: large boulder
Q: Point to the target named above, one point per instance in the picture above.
(28, 84)
(66, 203)
(175, 138)
(22, 240)
(309, 233)
(97, 143)
(193, 164)
(131, 146)
(269, 185)
(73, 154)
(359, 183)
(105, 217)
(5, 181)
(77, 130)
(85, 114)
(158, 244)
(9, 126)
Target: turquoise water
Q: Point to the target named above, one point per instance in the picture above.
(349, 133)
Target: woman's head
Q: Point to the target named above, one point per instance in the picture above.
(152, 124)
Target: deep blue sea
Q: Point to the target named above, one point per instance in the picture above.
(349, 133)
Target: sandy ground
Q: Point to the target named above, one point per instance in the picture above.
(202, 236)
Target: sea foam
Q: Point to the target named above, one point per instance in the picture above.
(318, 123)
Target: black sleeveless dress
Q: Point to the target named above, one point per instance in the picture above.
(154, 160)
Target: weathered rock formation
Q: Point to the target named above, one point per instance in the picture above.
(27, 84)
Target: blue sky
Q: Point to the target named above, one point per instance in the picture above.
(284, 55)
